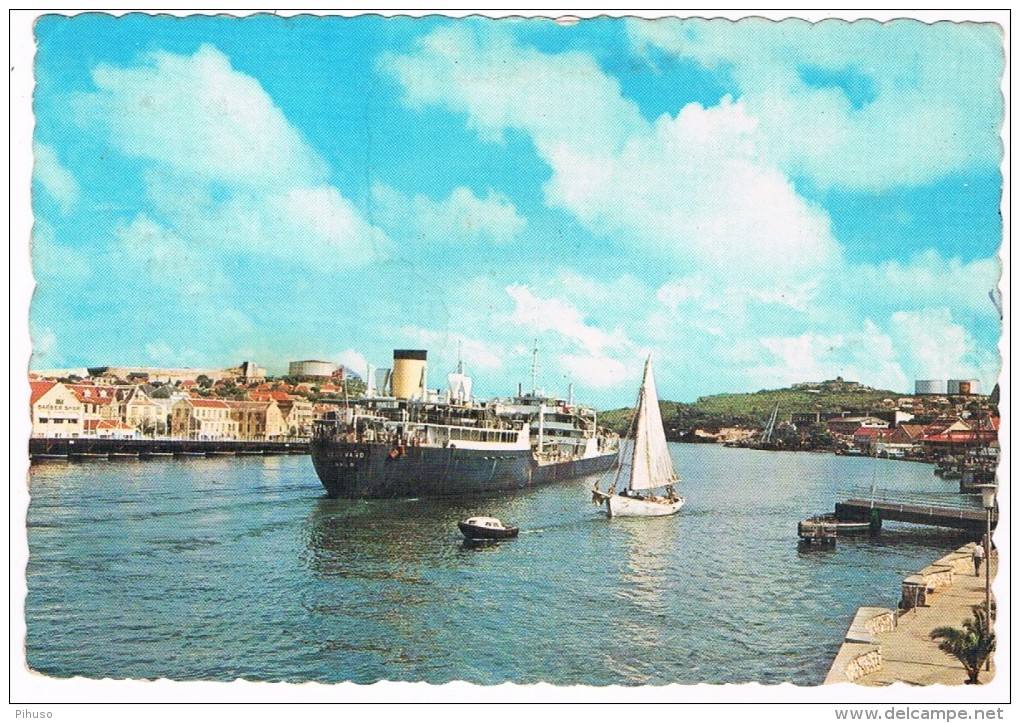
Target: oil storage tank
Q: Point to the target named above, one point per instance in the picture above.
(929, 386)
(964, 386)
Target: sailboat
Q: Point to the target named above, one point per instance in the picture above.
(649, 491)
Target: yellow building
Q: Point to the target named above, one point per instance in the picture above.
(202, 419)
(258, 420)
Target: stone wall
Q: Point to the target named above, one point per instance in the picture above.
(862, 665)
(882, 623)
(853, 661)
(916, 588)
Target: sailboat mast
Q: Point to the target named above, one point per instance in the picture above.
(640, 412)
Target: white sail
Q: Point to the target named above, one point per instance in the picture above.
(651, 466)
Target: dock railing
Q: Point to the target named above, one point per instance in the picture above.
(946, 505)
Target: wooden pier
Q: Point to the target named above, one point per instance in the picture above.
(957, 512)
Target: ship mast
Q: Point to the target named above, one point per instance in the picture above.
(534, 369)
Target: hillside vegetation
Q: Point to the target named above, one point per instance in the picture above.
(752, 410)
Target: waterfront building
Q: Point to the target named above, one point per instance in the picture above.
(109, 429)
(298, 412)
(258, 420)
(846, 426)
(312, 368)
(141, 411)
(56, 411)
(202, 419)
(960, 437)
(867, 439)
(300, 416)
(99, 402)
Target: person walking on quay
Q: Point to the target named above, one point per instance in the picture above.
(979, 555)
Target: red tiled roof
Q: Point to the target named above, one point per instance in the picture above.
(872, 432)
(209, 403)
(94, 424)
(39, 389)
(267, 396)
(89, 394)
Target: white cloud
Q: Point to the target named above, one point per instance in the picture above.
(561, 100)
(927, 279)
(444, 347)
(44, 345)
(929, 94)
(53, 260)
(199, 116)
(54, 177)
(226, 170)
(355, 361)
(867, 355)
(559, 315)
(692, 189)
(460, 219)
(169, 260)
(599, 372)
(939, 348)
(708, 191)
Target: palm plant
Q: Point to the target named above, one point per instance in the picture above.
(972, 646)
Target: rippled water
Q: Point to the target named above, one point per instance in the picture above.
(223, 568)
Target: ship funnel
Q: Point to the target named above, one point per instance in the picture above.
(409, 373)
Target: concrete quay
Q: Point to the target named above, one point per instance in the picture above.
(883, 646)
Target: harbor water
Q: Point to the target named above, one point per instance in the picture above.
(225, 568)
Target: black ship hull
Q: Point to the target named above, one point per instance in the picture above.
(360, 470)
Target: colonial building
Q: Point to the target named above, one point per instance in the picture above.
(298, 412)
(258, 420)
(56, 411)
(139, 410)
(100, 402)
(202, 419)
(109, 429)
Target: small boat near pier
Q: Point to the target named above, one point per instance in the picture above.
(824, 529)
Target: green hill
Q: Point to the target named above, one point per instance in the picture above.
(752, 410)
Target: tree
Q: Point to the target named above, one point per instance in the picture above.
(971, 646)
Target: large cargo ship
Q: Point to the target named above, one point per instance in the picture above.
(409, 441)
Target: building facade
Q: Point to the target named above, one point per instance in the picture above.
(202, 419)
(56, 411)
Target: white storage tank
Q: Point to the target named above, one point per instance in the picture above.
(312, 368)
(929, 386)
(964, 386)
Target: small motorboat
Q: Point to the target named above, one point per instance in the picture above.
(486, 528)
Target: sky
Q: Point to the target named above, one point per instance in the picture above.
(754, 204)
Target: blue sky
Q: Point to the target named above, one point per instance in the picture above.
(755, 204)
